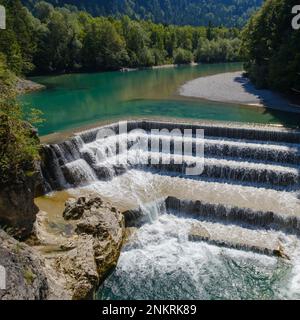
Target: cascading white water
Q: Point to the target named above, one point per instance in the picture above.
(160, 263)
(250, 175)
(229, 158)
(80, 172)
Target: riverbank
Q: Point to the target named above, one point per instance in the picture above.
(234, 87)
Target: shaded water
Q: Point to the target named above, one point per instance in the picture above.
(81, 99)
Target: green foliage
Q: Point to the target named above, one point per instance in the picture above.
(103, 47)
(218, 50)
(182, 56)
(19, 146)
(7, 78)
(271, 48)
(29, 276)
(59, 40)
(181, 12)
(18, 41)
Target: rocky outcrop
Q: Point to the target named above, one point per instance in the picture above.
(18, 190)
(21, 271)
(17, 208)
(80, 263)
(25, 86)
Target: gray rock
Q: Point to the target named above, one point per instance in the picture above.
(25, 278)
(25, 85)
(17, 208)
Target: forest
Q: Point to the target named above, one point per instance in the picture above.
(51, 39)
(271, 47)
(230, 13)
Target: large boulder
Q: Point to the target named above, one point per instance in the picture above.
(86, 258)
(21, 271)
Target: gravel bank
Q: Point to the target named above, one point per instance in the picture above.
(233, 87)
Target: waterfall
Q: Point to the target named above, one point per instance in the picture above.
(259, 157)
(204, 232)
(261, 219)
(230, 154)
(78, 172)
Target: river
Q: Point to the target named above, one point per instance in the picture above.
(78, 100)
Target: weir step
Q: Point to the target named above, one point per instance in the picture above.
(232, 152)
(215, 129)
(230, 214)
(237, 170)
(213, 146)
(239, 238)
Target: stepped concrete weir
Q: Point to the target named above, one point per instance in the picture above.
(249, 177)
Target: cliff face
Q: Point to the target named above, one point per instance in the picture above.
(20, 177)
(17, 208)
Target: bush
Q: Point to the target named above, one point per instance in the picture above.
(218, 50)
(183, 56)
(19, 146)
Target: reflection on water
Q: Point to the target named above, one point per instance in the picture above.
(81, 99)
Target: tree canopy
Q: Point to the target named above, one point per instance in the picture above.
(271, 47)
(230, 13)
(51, 39)
(19, 147)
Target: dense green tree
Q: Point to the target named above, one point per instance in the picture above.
(182, 56)
(218, 50)
(43, 11)
(137, 40)
(271, 48)
(57, 40)
(60, 44)
(229, 13)
(103, 47)
(18, 145)
(18, 41)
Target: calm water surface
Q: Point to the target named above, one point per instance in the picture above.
(75, 100)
